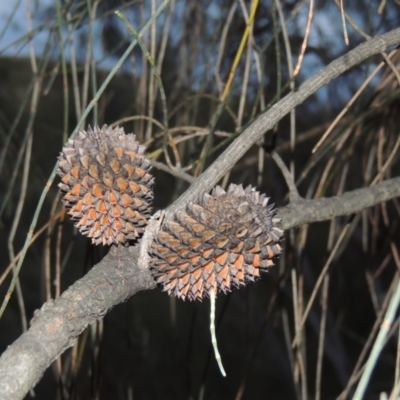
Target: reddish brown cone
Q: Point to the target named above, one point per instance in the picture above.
(106, 184)
(222, 241)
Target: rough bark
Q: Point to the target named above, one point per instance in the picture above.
(119, 275)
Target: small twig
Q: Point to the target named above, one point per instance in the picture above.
(34, 237)
(306, 34)
(379, 342)
(388, 161)
(222, 43)
(288, 51)
(246, 73)
(293, 192)
(346, 36)
(240, 50)
(175, 172)
(321, 338)
(320, 280)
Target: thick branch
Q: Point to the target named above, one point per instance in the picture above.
(58, 323)
(118, 276)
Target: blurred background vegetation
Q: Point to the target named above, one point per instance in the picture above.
(55, 55)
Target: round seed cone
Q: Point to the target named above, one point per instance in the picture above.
(220, 242)
(106, 184)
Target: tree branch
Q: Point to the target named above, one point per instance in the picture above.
(58, 323)
(118, 276)
(303, 211)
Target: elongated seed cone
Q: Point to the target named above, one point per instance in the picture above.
(107, 186)
(222, 241)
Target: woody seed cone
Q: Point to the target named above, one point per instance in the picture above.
(106, 184)
(220, 242)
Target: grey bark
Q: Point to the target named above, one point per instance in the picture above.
(118, 276)
(302, 211)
